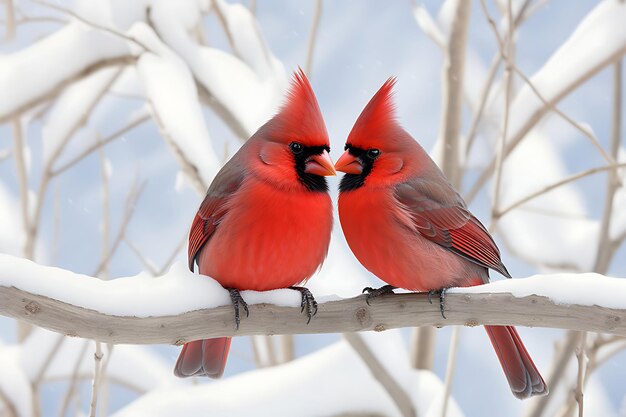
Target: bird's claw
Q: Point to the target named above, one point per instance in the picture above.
(308, 302)
(237, 300)
(442, 298)
(377, 292)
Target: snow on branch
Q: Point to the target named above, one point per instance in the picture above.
(181, 306)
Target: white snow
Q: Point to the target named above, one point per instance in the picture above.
(301, 387)
(70, 108)
(150, 370)
(428, 25)
(601, 34)
(170, 87)
(587, 289)
(37, 70)
(534, 164)
(143, 295)
(250, 85)
(12, 236)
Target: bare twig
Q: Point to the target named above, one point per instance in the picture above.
(22, 176)
(287, 348)
(47, 169)
(452, 91)
(94, 25)
(95, 385)
(104, 382)
(168, 262)
(137, 121)
(536, 116)
(422, 348)
(454, 346)
(11, 410)
(54, 91)
(129, 209)
(270, 351)
(308, 67)
(106, 217)
(586, 132)
(144, 261)
(559, 365)
(580, 354)
(509, 59)
(380, 373)
(484, 95)
(494, 27)
(604, 254)
(9, 11)
(71, 390)
(550, 187)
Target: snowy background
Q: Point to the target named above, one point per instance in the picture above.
(126, 206)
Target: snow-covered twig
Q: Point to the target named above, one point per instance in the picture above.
(187, 166)
(382, 375)
(94, 25)
(142, 310)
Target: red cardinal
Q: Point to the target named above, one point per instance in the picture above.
(407, 225)
(266, 220)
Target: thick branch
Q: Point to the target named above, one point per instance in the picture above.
(453, 91)
(141, 321)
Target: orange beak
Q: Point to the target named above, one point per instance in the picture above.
(349, 164)
(320, 165)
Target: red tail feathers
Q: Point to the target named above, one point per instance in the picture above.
(203, 358)
(522, 374)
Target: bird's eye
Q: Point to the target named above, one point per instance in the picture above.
(373, 153)
(296, 147)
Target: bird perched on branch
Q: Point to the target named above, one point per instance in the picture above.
(407, 225)
(266, 220)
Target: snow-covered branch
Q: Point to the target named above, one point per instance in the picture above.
(181, 306)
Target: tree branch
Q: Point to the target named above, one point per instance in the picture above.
(382, 375)
(141, 321)
(454, 65)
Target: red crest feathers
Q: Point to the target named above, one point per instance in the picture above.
(300, 116)
(377, 119)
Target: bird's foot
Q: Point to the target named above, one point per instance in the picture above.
(308, 302)
(238, 301)
(377, 292)
(442, 299)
